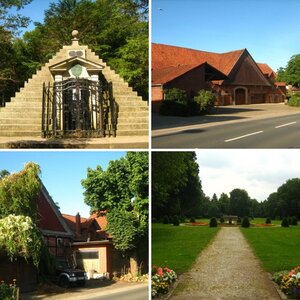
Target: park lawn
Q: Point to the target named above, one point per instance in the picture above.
(276, 247)
(177, 247)
(263, 221)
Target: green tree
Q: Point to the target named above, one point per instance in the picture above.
(19, 192)
(224, 204)
(9, 29)
(239, 203)
(291, 74)
(122, 191)
(176, 187)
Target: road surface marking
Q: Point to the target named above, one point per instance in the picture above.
(287, 124)
(243, 136)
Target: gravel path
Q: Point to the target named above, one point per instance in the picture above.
(226, 269)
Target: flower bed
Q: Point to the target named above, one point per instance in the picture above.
(162, 280)
(289, 282)
(9, 291)
(196, 224)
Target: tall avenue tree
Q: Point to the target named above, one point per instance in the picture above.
(122, 191)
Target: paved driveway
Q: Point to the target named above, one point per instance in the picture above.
(94, 290)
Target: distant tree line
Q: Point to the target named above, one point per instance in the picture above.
(177, 191)
(117, 30)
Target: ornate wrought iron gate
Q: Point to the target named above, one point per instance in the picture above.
(78, 108)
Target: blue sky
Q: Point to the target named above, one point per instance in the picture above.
(35, 11)
(269, 29)
(62, 172)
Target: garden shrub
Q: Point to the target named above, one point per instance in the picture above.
(222, 220)
(213, 222)
(294, 221)
(176, 95)
(166, 220)
(205, 100)
(175, 221)
(285, 222)
(245, 222)
(268, 221)
(173, 108)
(238, 221)
(294, 100)
(192, 220)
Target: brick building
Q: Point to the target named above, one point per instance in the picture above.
(234, 76)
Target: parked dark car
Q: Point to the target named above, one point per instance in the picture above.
(65, 275)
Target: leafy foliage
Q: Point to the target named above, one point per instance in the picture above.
(294, 100)
(176, 187)
(122, 191)
(268, 221)
(177, 102)
(205, 100)
(19, 191)
(19, 236)
(291, 74)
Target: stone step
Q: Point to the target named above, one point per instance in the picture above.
(137, 119)
(20, 127)
(28, 106)
(28, 121)
(132, 108)
(129, 126)
(19, 114)
(22, 133)
(133, 114)
(140, 132)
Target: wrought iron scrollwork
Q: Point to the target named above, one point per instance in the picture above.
(79, 108)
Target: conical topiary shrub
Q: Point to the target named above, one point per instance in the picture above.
(192, 220)
(213, 222)
(268, 221)
(245, 222)
(285, 222)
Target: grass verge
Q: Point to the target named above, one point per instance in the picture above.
(177, 247)
(277, 247)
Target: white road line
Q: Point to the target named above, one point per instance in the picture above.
(243, 136)
(287, 124)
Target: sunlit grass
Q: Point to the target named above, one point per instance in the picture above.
(177, 247)
(276, 247)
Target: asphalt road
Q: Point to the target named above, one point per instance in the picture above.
(137, 294)
(276, 132)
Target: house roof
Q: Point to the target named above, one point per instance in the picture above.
(266, 70)
(164, 56)
(280, 83)
(169, 73)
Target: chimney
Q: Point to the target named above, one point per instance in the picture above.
(78, 225)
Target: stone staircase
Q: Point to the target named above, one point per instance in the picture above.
(22, 116)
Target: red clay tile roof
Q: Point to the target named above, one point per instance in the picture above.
(266, 70)
(165, 56)
(280, 83)
(169, 73)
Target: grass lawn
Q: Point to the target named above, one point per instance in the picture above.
(177, 247)
(277, 247)
(263, 221)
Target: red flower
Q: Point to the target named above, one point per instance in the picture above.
(160, 271)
